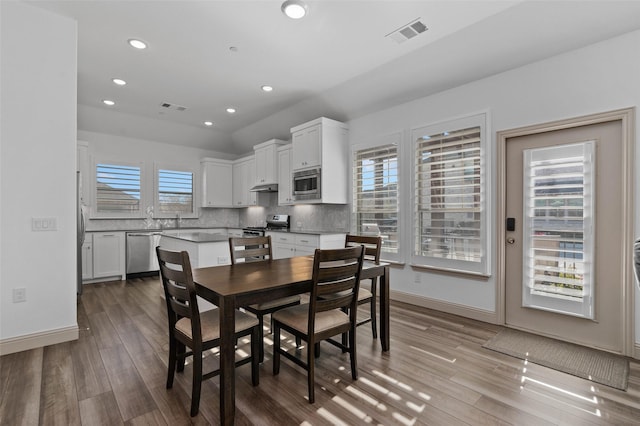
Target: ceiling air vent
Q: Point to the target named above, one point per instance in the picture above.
(175, 107)
(408, 31)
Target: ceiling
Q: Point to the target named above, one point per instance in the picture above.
(336, 62)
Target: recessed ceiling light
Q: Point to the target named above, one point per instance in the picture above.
(138, 44)
(208, 123)
(119, 81)
(266, 88)
(108, 102)
(231, 110)
(294, 9)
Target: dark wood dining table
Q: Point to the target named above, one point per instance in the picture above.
(232, 286)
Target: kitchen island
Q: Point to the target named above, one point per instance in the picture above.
(204, 248)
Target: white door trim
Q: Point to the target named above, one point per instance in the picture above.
(627, 118)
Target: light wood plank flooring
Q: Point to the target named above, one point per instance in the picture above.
(436, 373)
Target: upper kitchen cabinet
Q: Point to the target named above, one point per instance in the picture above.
(285, 194)
(83, 167)
(318, 142)
(244, 175)
(266, 161)
(217, 176)
(319, 159)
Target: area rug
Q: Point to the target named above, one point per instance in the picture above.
(598, 366)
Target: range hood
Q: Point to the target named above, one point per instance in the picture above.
(265, 187)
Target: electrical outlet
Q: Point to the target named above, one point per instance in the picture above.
(417, 278)
(223, 260)
(19, 295)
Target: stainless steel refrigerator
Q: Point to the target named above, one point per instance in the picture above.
(80, 217)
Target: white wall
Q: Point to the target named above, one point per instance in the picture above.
(598, 78)
(38, 172)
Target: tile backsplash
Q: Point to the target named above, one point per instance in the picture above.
(310, 217)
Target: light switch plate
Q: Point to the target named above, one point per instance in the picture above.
(44, 224)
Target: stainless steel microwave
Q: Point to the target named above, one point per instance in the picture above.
(306, 185)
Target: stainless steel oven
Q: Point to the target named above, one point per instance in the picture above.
(306, 185)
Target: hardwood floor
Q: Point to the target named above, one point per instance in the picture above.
(436, 373)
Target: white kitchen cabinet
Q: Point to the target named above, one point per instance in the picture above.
(217, 175)
(108, 255)
(266, 161)
(83, 166)
(87, 258)
(243, 180)
(285, 196)
(290, 244)
(322, 143)
(307, 147)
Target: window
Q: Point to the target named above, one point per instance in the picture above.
(375, 195)
(118, 190)
(175, 192)
(450, 219)
(558, 229)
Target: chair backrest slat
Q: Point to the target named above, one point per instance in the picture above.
(250, 249)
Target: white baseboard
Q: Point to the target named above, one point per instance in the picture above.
(451, 308)
(38, 340)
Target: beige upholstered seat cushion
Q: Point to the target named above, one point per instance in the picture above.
(275, 303)
(210, 324)
(297, 318)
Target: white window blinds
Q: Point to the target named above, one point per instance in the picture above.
(375, 194)
(450, 219)
(175, 191)
(558, 232)
(117, 189)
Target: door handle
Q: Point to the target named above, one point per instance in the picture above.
(511, 240)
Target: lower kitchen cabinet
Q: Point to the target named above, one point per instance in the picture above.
(87, 258)
(103, 256)
(292, 244)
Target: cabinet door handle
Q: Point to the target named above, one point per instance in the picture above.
(108, 235)
(304, 241)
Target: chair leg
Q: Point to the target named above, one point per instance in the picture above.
(374, 325)
(197, 381)
(256, 344)
(311, 368)
(276, 349)
(316, 350)
(172, 362)
(261, 337)
(180, 349)
(373, 309)
(352, 352)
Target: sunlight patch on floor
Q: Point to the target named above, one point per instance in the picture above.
(449, 360)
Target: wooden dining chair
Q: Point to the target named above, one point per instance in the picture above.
(335, 271)
(198, 331)
(372, 249)
(258, 249)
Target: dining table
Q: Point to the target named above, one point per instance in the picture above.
(232, 286)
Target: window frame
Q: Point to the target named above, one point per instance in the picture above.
(390, 139)
(157, 214)
(483, 267)
(95, 213)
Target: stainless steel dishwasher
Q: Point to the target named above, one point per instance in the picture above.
(141, 252)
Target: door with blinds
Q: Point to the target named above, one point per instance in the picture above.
(564, 224)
